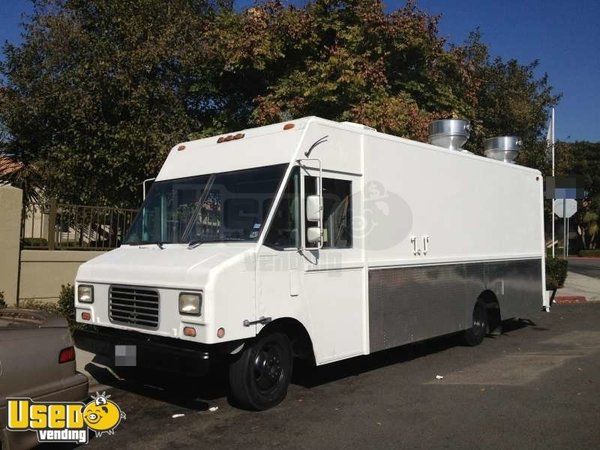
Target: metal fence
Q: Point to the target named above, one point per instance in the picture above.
(58, 226)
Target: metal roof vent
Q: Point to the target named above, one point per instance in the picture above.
(503, 148)
(449, 133)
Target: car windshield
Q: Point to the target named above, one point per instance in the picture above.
(229, 206)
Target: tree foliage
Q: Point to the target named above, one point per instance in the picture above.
(99, 90)
(582, 159)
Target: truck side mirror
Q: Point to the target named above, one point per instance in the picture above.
(313, 235)
(313, 208)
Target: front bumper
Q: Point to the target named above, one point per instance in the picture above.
(152, 352)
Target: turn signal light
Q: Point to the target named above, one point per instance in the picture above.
(66, 355)
(86, 316)
(221, 332)
(189, 331)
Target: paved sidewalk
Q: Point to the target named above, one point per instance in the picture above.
(578, 285)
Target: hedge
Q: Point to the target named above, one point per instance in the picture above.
(556, 273)
(64, 307)
(595, 252)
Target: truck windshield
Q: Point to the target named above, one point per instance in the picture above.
(228, 206)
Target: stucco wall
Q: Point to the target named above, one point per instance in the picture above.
(10, 233)
(44, 271)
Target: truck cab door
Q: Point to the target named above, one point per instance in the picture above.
(279, 262)
(333, 273)
(322, 286)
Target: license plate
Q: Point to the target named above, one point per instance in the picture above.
(126, 355)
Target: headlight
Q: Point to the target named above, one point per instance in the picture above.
(190, 304)
(85, 293)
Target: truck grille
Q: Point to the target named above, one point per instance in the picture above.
(132, 305)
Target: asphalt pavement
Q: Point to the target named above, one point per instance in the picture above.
(585, 266)
(536, 386)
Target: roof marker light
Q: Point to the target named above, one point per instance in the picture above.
(231, 137)
(289, 126)
(180, 148)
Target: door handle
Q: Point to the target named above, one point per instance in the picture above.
(261, 320)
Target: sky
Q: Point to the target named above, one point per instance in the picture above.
(563, 35)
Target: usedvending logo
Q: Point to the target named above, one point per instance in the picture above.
(64, 421)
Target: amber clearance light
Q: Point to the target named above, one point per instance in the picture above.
(189, 331)
(231, 137)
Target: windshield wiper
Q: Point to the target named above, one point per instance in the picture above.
(198, 207)
(160, 244)
(194, 243)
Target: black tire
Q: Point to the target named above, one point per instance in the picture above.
(260, 376)
(479, 328)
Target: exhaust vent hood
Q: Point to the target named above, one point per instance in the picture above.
(449, 133)
(503, 148)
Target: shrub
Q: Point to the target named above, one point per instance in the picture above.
(31, 303)
(66, 304)
(2, 302)
(556, 273)
(64, 307)
(34, 242)
(595, 252)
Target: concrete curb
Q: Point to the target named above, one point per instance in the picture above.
(569, 299)
(578, 285)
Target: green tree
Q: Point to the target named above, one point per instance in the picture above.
(99, 90)
(582, 159)
(511, 100)
(350, 60)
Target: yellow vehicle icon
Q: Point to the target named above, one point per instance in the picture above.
(102, 415)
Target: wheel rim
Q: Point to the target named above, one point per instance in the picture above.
(267, 368)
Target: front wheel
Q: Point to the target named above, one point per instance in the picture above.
(474, 335)
(260, 376)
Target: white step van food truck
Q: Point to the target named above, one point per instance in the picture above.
(315, 239)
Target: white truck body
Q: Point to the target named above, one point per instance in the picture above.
(431, 231)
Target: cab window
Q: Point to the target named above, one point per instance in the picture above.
(337, 211)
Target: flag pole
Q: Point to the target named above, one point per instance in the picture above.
(552, 145)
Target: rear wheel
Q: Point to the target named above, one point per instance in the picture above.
(260, 376)
(479, 328)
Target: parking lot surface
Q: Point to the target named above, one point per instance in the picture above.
(585, 266)
(536, 386)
